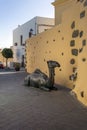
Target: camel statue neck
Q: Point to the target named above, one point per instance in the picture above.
(51, 76)
(51, 66)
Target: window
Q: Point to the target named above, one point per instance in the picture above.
(21, 40)
(31, 32)
(15, 44)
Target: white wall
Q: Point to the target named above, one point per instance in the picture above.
(38, 24)
(18, 52)
(23, 30)
(34, 23)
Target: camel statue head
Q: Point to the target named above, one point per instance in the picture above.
(53, 64)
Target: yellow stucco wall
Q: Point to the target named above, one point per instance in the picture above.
(53, 44)
(58, 44)
(80, 24)
(60, 7)
(1, 57)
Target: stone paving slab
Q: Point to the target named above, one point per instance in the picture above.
(28, 108)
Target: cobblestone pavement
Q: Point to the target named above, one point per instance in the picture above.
(28, 108)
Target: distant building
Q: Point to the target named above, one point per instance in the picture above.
(25, 31)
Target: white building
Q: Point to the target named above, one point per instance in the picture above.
(28, 29)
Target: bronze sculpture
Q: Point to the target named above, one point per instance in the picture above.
(40, 79)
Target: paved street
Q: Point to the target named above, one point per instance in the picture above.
(28, 108)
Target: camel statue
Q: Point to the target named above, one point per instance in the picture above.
(40, 79)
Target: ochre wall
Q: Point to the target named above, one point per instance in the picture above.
(80, 85)
(1, 57)
(60, 7)
(67, 44)
(53, 44)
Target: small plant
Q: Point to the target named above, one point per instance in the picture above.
(17, 66)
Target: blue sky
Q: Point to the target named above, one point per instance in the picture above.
(17, 12)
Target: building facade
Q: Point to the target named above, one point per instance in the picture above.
(65, 43)
(27, 30)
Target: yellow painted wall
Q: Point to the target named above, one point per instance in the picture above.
(51, 45)
(54, 44)
(60, 7)
(81, 83)
(1, 57)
